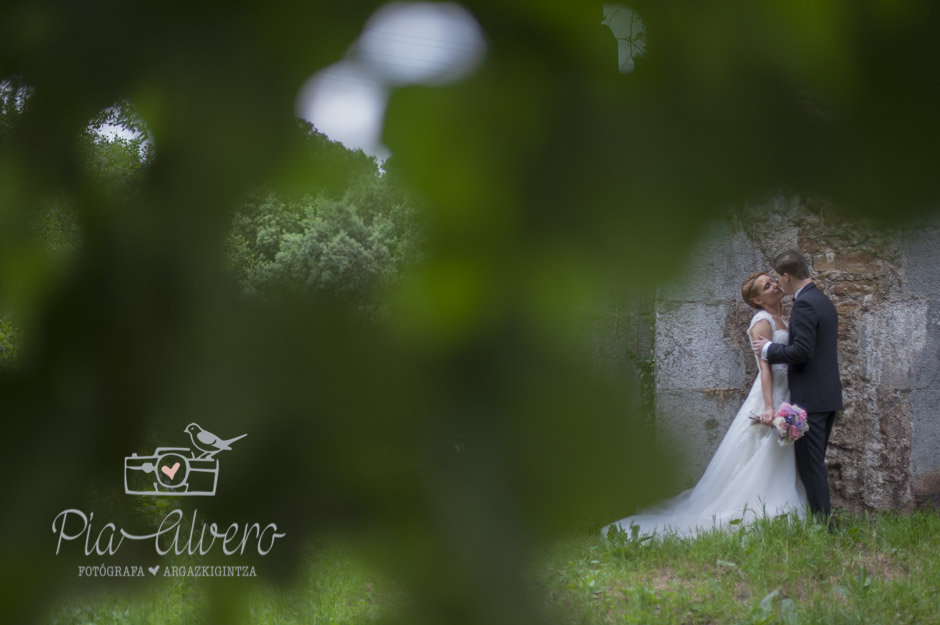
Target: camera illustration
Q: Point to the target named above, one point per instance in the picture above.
(178, 471)
(170, 471)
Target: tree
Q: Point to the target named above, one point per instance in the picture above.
(351, 240)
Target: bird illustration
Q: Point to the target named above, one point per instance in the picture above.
(207, 442)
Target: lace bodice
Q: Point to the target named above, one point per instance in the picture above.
(781, 336)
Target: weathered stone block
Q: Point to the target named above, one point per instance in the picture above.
(921, 262)
(691, 348)
(694, 422)
(925, 443)
(890, 340)
(716, 267)
(848, 262)
(854, 289)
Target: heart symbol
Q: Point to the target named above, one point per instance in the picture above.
(153, 569)
(171, 472)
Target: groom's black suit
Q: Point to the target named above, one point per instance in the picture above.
(815, 386)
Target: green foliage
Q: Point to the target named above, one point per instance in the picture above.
(336, 249)
(9, 345)
(544, 175)
(118, 163)
(14, 93)
(353, 241)
(349, 245)
(56, 226)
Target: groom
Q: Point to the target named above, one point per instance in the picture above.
(813, 372)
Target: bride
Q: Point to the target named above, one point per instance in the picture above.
(750, 475)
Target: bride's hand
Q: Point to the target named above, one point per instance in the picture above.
(767, 416)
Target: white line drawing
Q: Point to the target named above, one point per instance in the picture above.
(207, 442)
(178, 471)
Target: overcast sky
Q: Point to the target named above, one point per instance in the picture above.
(415, 43)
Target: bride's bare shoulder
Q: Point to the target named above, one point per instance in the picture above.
(760, 325)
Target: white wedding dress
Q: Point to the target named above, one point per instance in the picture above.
(749, 476)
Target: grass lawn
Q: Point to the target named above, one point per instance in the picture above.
(883, 569)
(876, 569)
(334, 588)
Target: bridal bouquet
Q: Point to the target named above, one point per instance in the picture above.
(790, 423)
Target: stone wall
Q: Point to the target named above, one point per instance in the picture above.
(885, 284)
(920, 269)
(619, 333)
(702, 367)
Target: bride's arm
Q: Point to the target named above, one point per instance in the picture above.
(762, 328)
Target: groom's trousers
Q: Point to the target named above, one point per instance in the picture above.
(810, 451)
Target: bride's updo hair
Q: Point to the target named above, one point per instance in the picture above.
(749, 289)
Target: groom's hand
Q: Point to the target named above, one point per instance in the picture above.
(758, 344)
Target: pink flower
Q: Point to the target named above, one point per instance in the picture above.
(790, 423)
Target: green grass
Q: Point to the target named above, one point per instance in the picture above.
(883, 569)
(876, 569)
(333, 588)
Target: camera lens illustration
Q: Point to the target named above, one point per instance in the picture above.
(173, 470)
(178, 471)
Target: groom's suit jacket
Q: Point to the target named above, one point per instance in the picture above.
(813, 369)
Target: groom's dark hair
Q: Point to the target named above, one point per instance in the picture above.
(793, 263)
